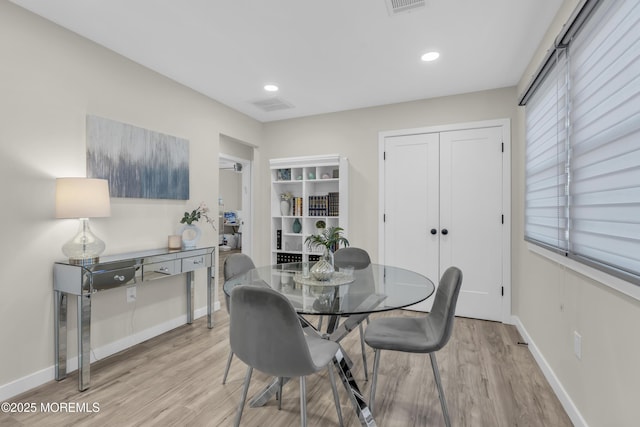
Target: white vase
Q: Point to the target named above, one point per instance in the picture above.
(190, 233)
(285, 207)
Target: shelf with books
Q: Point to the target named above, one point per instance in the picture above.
(314, 188)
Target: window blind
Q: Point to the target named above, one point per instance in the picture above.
(546, 159)
(605, 139)
(582, 166)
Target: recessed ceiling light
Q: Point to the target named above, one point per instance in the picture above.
(271, 88)
(430, 56)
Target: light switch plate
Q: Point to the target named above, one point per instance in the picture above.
(577, 345)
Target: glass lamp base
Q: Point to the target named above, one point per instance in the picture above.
(84, 261)
(85, 247)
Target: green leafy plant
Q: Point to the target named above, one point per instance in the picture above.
(330, 238)
(321, 224)
(202, 211)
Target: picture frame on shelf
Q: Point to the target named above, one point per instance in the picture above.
(283, 174)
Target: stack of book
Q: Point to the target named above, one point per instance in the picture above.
(317, 205)
(297, 206)
(283, 258)
(333, 204)
(328, 205)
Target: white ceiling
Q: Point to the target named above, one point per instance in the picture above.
(326, 55)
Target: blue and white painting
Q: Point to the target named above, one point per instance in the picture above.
(138, 163)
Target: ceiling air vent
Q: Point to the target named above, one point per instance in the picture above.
(272, 104)
(400, 6)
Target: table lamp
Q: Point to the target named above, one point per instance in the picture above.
(83, 198)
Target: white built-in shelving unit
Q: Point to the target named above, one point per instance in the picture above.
(321, 183)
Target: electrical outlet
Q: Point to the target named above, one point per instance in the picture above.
(577, 345)
(131, 294)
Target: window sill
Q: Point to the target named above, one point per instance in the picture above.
(619, 285)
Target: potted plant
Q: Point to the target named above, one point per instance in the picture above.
(190, 232)
(320, 226)
(329, 240)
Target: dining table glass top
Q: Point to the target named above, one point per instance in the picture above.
(374, 288)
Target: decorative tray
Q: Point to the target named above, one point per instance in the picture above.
(338, 278)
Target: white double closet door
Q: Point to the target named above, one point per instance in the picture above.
(443, 207)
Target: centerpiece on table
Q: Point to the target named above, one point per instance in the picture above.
(190, 232)
(328, 240)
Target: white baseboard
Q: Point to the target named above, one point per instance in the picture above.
(556, 385)
(23, 384)
(38, 378)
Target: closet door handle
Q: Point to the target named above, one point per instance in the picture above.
(434, 231)
(445, 231)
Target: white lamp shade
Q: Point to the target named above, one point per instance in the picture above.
(82, 198)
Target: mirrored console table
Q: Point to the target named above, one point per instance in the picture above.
(112, 272)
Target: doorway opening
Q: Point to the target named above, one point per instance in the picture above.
(235, 211)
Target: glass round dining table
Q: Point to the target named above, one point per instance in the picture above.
(350, 294)
(374, 288)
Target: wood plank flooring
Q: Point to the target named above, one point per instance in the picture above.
(175, 379)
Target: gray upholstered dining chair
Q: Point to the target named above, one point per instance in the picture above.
(358, 259)
(266, 334)
(234, 264)
(418, 334)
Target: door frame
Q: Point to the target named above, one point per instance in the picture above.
(505, 124)
(247, 201)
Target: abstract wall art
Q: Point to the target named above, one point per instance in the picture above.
(138, 163)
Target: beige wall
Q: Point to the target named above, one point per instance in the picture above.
(553, 301)
(50, 79)
(354, 134)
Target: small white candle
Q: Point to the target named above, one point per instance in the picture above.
(175, 241)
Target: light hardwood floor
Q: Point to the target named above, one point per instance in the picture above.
(175, 379)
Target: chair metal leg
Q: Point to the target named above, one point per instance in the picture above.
(332, 378)
(226, 371)
(303, 402)
(364, 354)
(245, 389)
(279, 396)
(443, 403)
(320, 323)
(374, 381)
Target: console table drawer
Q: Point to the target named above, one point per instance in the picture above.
(114, 278)
(194, 262)
(159, 270)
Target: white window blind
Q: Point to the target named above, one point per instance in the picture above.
(583, 143)
(605, 138)
(546, 160)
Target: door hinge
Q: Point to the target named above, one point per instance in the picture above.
(502, 290)
(503, 219)
(503, 147)
(384, 217)
(384, 155)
